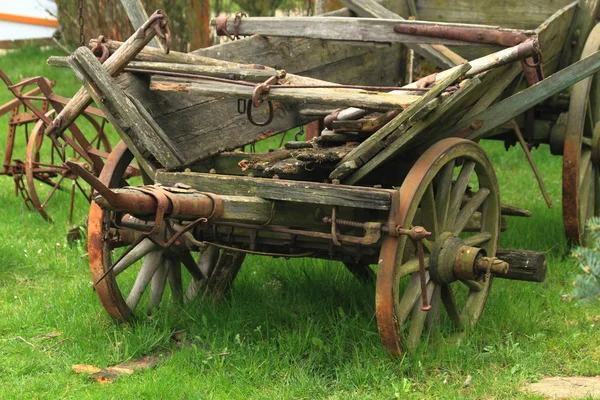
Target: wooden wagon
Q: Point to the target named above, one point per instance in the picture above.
(394, 177)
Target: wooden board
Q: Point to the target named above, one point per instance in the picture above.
(506, 13)
(284, 190)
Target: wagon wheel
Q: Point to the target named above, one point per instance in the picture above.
(430, 198)
(46, 175)
(581, 156)
(124, 265)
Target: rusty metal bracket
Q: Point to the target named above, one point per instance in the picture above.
(100, 49)
(499, 37)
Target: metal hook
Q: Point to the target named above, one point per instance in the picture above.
(251, 119)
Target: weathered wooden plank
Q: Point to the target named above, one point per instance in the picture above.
(476, 127)
(200, 126)
(242, 72)
(126, 117)
(324, 96)
(553, 34)
(375, 30)
(284, 190)
(440, 55)
(506, 13)
(378, 141)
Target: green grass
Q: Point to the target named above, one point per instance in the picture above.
(291, 329)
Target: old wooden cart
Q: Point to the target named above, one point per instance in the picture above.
(396, 178)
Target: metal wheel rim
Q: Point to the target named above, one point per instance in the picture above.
(389, 300)
(581, 179)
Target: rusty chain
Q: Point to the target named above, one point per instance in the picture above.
(81, 24)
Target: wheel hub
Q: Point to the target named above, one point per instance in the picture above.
(452, 260)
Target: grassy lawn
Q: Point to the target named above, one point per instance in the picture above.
(291, 329)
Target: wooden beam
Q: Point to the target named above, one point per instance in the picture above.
(323, 96)
(283, 190)
(245, 73)
(341, 29)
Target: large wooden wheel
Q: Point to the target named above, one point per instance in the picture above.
(45, 171)
(581, 158)
(450, 186)
(125, 266)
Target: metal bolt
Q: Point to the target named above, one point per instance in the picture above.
(335, 181)
(275, 176)
(212, 171)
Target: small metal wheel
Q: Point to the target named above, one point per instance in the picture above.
(44, 165)
(125, 264)
(581, 158)
(452, 192)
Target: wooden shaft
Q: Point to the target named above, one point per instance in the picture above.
(325, 96)
(242, 72)
(113, 64)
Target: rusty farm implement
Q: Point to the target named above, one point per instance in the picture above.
(396, 178)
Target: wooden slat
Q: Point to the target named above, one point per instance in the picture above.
(324, 96)
(134, 127)
(343, 29)
(553, 34)
(506, 13)
(284, 190)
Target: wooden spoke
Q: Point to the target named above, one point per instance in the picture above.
(149, 267)
(472, 285)
(157, 285)
(433, 316)
(190, 264)
(429, 217)
(447, 296)
(458, 191)
(194, 289)
(478, 239)
(585, 189)
(468, 210)
(175, 282)
(208, 261)
(135, 254)
(417, 321)
(442, 195)
(409, 298)
(412, 265)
